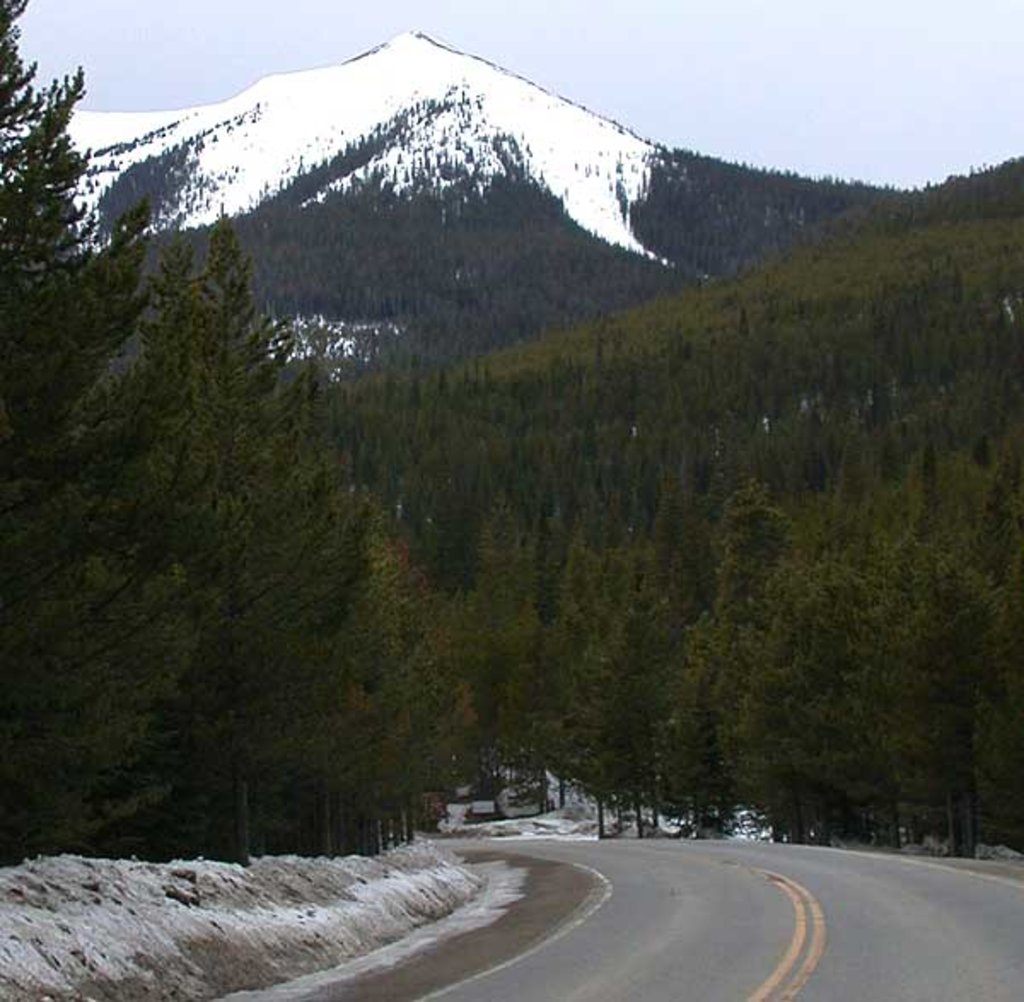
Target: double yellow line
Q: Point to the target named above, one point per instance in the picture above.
(805, 950)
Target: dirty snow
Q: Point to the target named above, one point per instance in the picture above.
(504, 885)
(931, 845)
(77, 928)
(997, 852)
(455, 112)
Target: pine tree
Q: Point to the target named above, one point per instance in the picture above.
(753, 538)
(73, 597)
(1001, 739)
(944, 681)
(241, 441)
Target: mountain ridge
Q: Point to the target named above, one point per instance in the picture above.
(243, 150)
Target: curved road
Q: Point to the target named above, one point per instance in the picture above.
(728, 921)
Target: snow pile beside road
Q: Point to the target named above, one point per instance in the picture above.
(73, 928)
(997, 852)
(932, 846)
(503, 887)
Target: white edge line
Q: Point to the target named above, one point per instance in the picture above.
(594, 901)
(992, 878)
(932, 864)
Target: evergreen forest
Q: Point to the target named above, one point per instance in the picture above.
(757, 544)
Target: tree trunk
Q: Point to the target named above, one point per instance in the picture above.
(343, 819)
(326, 827)
(600, 818)
(241, 853)
(969, 823)
(822, 823)
(561, 793)
(799, 835)
(639, 817)
(954, 842)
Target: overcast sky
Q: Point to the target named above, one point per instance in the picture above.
(894, 91)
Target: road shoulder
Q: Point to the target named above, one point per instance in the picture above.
(553, 894)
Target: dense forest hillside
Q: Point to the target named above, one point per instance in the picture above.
(713, 219)
(892, 334)
(799, 489)
(463, 271)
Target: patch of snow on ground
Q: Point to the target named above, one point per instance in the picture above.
(933, 846)
(999, 852)
(570, 822)
(74, 928)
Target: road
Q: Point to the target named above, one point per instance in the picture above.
(710, 921)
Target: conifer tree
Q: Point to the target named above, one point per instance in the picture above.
(246, 556)
(943, 683)
(73, 598)
(753, 538)
(1001, 751)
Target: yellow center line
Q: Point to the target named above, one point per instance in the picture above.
(816, 951)
(806, 911)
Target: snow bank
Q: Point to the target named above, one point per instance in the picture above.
(997, 852)
(934, 846)
(503, 887)
(88, 929)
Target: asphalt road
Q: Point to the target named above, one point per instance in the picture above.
(730, 921)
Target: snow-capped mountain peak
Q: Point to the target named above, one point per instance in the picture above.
(446, 115)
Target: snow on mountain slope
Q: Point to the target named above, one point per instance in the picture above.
(451, 112)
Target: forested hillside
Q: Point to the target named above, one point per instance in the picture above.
(758, 543)
(460, 272)
(466, 270)
(712, 219)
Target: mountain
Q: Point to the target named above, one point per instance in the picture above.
(451, 115)
(418, 186)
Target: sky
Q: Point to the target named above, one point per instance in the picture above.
(900, 92)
